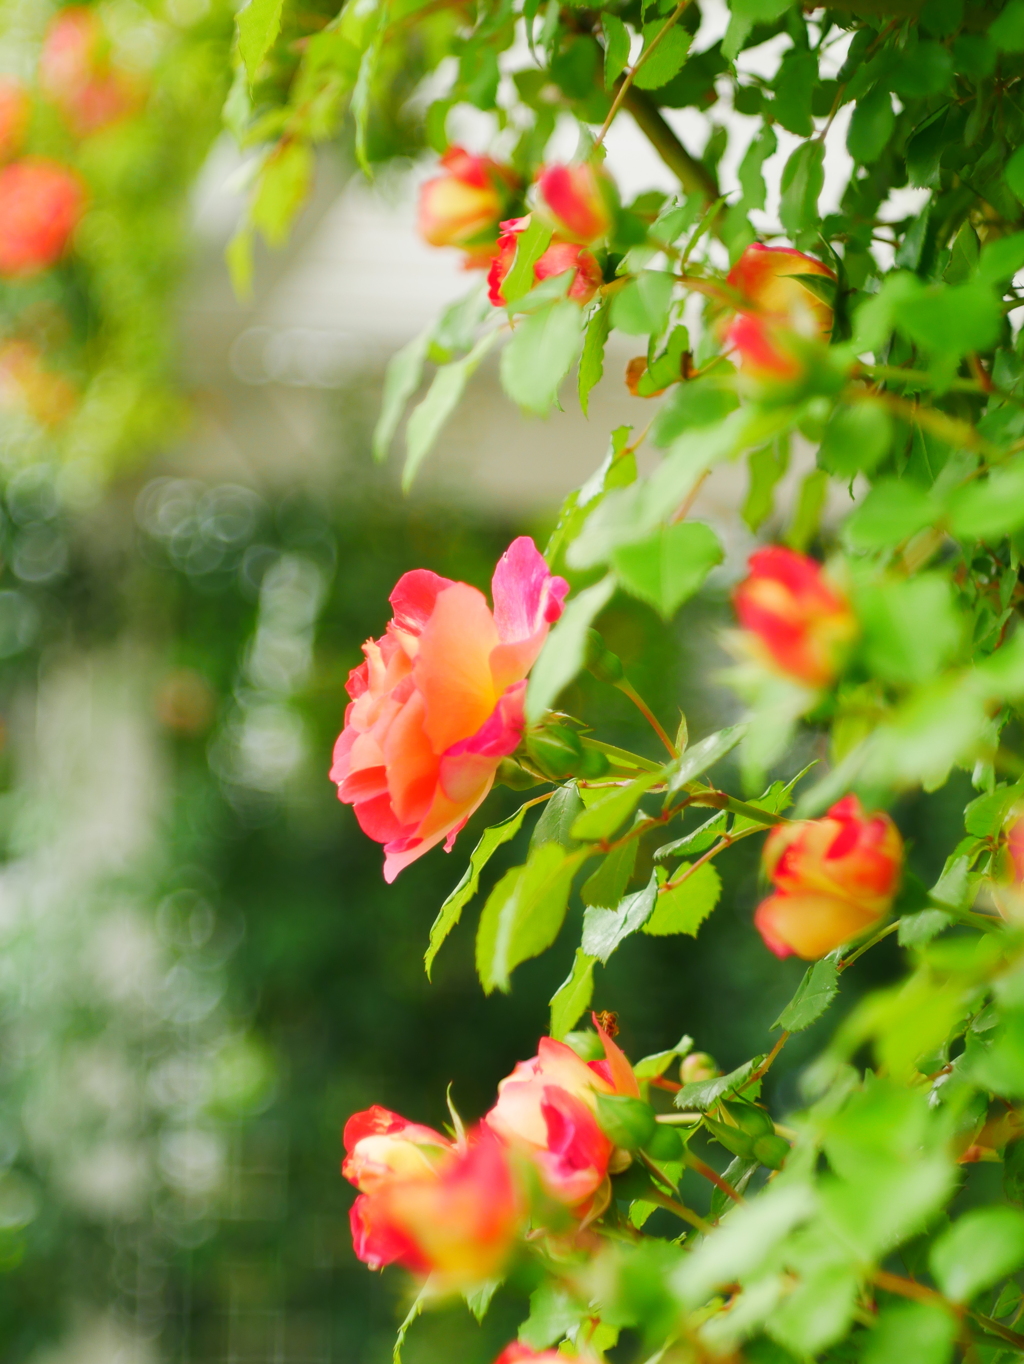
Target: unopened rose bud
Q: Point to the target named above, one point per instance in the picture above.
(775, 306)
(665, 1143)
(559, 258)
(696, 1067)
(796, 621)
(625, 1121)
(835, 878)
(578, 200)
(556, 750)
(40, 205)
(464, 205)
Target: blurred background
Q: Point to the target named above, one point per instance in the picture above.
(202, 973)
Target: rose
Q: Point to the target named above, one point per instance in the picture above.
(26, 384)
(15, 112)
(76, 74)
(438, 1208)
(518, 1353)
(835, 878)
(775, 307)
(1008, 869)
(464, 205)
(547, 1108)
(578, 200)
(556, 260)
(40, 205)
(796, 621)
(439, 702)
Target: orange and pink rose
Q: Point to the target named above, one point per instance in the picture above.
(560, 257)
(776, 307)
(78, 76)
(41, 203)
(464, 205)
(578, 200)
(438, 701)
(835, 878)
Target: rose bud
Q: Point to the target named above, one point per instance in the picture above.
(547, 1108)
(77, 75)
(455, 1219)
(796, 622)
(578, 201)
(40, 205)
(1008, 870)
(556, 260)
(835, 878)
(439, 702)
(464, 206)
(26, 385)
(780, 307)
(15, 112)
(518, 1353)
(382, 1146)
(696, 1067)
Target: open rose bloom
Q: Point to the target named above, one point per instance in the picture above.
(560, 257)
(796, 621)
(444, 1209)
(578, 201)
(780, 307)
(439, 701)
(835, 878)
(464, 205)
(547, 1109)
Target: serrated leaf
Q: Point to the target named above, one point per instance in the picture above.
(565, 648)
(699, 840)
(703, 1094)
(979, 1249)
(604, 929)
(592, 360)
(803, 179)
(670, 565)
(607, 885)
(573, 995)
(540, 354)
(401, 380)
(699, 757)
(814, 994)
(478, 1300)
(258, 26)
(682, 908)
(451, 911)
(523, 913)
(616, 47)
(650, 1067)
(666, 60)
(429, 416)
(604, 818)
(557, 818)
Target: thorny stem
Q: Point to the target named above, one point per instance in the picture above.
(631, 74)
(629, 690)
(766, 1063)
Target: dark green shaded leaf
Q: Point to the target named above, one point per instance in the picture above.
(814, 994)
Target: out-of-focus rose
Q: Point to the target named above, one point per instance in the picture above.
(41, 202)
(27, 385)
(15, 112)
(547, 1109)
(518, 1353)
(464, 205)
(796, 621)
(451, 1211)
(780, 307)
(1008, 869)
(439, 702)
(578, 200)
(77, 75)
(835, 878)
(556, 260)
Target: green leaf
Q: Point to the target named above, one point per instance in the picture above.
(402, 379)
(258, 26)
(607, 885)
(698, 841)
(980, 1248)
(592, 359)
(282, 189)
(666, 59)
(704, 1094)
(767, 466)
(629, 1123)
(557, 818)
(451, 911)
(600, 821)
(744, 15)
(641, 307)
(911, 627)
(699, 402)
(814, 994)
(1001, 259)
(360, 103)
(616, 47)
(751, 171)
(523, 913)
(539, 355)
(699, 757)
(1013, 173)
(530, 246)
(1007, 32)
(892, 512)
(604, 929)
(803, 179)
(856, 439)
(553, 1315)
(952, 319)
(683, 908)
(670, 565)
(819, 1311)
(911, 1331)
(478, 1300)
(573, 995)
(871, 126)
(794, 86)
(429, 416)
(810, 504)
(650, 1067)
(989, 508)
(565, 649)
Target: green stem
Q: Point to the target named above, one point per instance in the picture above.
(629, 690)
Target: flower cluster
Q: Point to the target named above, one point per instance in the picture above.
(438, 701)
(774, 308)
(835, 878)
(454, 1209)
